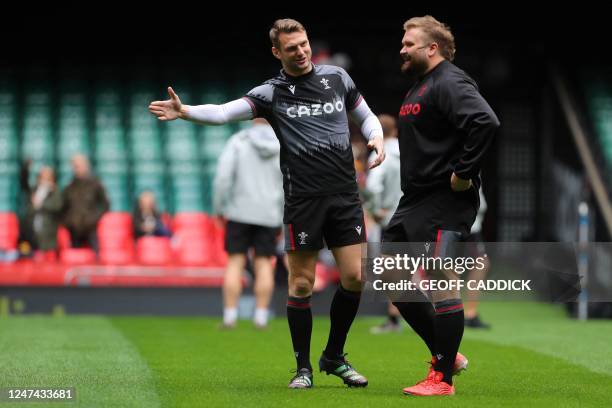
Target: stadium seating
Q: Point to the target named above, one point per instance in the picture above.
(192, 232)
(154, 251)
(194, 250)
(9, 140)
(130, 152)
(9, 186)
(78, 256)
(191, 220)
(116, 238)
(63, 238)
(37, 134)
(9, 230)
(117, 255)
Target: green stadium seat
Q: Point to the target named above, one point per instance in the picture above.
(9, 186)
(152, 177)
(215, 94)
(185, 169)
(107, 96)
(212, 149)
(181, 148)
(38, 143)
(71, 142)
(73, 132)
(188, 203)
(145, 144)
(110, 144)
(8, 142)
(186, 186)
(116, 186)
(9, 193)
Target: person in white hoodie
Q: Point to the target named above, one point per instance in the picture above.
(383, 192)
(248, 195)
(475, 248)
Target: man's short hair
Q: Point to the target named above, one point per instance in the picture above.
(436, 32)
(284, 25)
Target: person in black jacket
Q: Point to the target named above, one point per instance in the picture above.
(85, 201)
(445, 128)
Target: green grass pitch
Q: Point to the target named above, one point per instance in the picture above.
(534, 356)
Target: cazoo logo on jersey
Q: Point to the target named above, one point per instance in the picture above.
(315, 109)
(410, 109)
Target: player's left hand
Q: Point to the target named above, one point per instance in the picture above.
(378, 145)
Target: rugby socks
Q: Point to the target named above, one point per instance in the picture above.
(260, 318)
(449, 331)
(230, 315)
(299, 317)
(419, 314)
(342, 313)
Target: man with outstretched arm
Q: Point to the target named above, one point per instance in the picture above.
(307, 106)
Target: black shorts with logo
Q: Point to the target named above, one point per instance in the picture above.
(239, 237)
(311, 222)
(433, 215)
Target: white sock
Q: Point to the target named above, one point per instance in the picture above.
(230, 315)
(261, 317)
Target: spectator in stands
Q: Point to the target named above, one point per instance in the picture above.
(85, 202)
(248, 194)
(147, 219)
(42, 210)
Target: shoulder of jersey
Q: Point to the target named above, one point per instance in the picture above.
(329, 70)
(453, 72)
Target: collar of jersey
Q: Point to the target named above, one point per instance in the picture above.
(292, 78)
(433, 70)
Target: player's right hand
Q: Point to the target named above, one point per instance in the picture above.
(169, 109)
(458, 184)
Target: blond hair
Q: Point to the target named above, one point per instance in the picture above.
(436, 32)
(284, 25)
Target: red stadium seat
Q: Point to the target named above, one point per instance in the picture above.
(115, 238)
(63, 238)
(45, 256)
(109, 241)
(218, 245)
(117, 256)
(191, 221)
(154, 250)
(195, 252)
(195, 235)
(78, 256)
(115, 224)
(9, 230)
